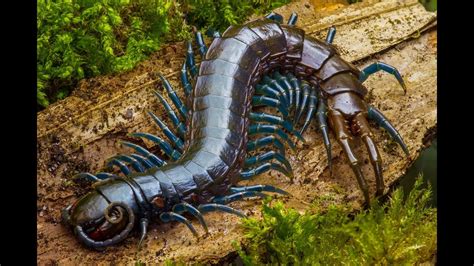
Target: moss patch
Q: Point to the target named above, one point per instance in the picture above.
(396, 232)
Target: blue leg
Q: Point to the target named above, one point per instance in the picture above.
(237, 196)
(375, 67)
(190, 62)
(383, 122)
(177, 142)
(165, 146)
(311, 110)
(261, 128)
(185, 80)
(87, 176)
(174, 98)
(293, 18)
(331, 34)
(180, 126)
(144, 161)
(274, 84)
(123, 168)
(258, 188)
(275, 16)
(263, 100)
(268, 156)
(137, 166)
(104, 175)
(263, 117)
(248, 174)
(186, 207)
(201, 45)
(304, 101)
(267, 140)
(153, 158)
(143, 229)
(285, 83)
(323, 126)
(167, 217)
(265, 90)
(211, 207)
(296, 86)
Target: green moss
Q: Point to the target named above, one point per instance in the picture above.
(219, 15)
(86, 38)
(397, 232)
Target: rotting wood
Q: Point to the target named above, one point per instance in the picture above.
(414, 115)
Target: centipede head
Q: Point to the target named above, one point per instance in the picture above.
(97, 223)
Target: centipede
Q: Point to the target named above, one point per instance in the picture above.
(220, 135)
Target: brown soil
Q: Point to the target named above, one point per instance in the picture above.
(80, 132)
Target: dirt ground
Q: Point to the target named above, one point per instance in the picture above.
(80, 132)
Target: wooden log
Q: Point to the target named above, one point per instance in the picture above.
(80, 132)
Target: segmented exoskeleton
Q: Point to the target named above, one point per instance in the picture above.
(261, 63)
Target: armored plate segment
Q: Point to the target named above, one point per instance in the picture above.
(271, 33)
(315, 53)
(335, 65)
(343, 82)
(249, 37)
(179, 177)
(220, 85)
(225, 68)
(149, 185)
(233, 51)
(116, 190)
(294, 41)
